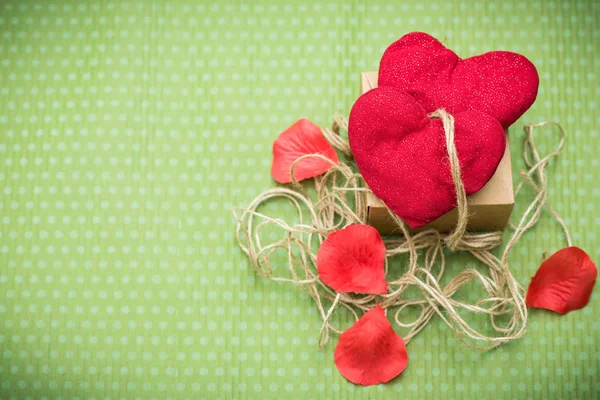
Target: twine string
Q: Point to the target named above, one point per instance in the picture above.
(340, 200)
(454, 238)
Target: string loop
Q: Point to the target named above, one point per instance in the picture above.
(340, 200)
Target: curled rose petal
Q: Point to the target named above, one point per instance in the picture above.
(300, 139)
(564, 282)
(370, 352)
(352, 260)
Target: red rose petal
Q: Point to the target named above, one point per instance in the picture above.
(352, 260)
(564, 282)
(370, 352)
(300, 139)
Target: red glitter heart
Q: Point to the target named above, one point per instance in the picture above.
(499, 83)
(402, 153)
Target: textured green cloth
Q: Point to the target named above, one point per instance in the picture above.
(129, 130)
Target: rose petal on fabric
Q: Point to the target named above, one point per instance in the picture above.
(352, 260)
(370, 352)
(300, 139)
(564, 282)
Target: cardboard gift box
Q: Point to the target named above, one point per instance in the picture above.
(489, 209)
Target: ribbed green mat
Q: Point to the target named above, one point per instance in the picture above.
(129, 130)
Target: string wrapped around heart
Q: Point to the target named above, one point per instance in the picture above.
(340, 200)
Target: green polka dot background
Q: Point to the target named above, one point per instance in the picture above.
(130, 129)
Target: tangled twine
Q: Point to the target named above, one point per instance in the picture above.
(340, 200)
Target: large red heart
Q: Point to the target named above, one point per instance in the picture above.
(402, 153)
(499, 83)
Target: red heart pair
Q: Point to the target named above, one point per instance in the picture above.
(401, 152)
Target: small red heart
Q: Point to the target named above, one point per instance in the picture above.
(402, 153)
(499, 83)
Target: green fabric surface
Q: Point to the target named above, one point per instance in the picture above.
(130, 129)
